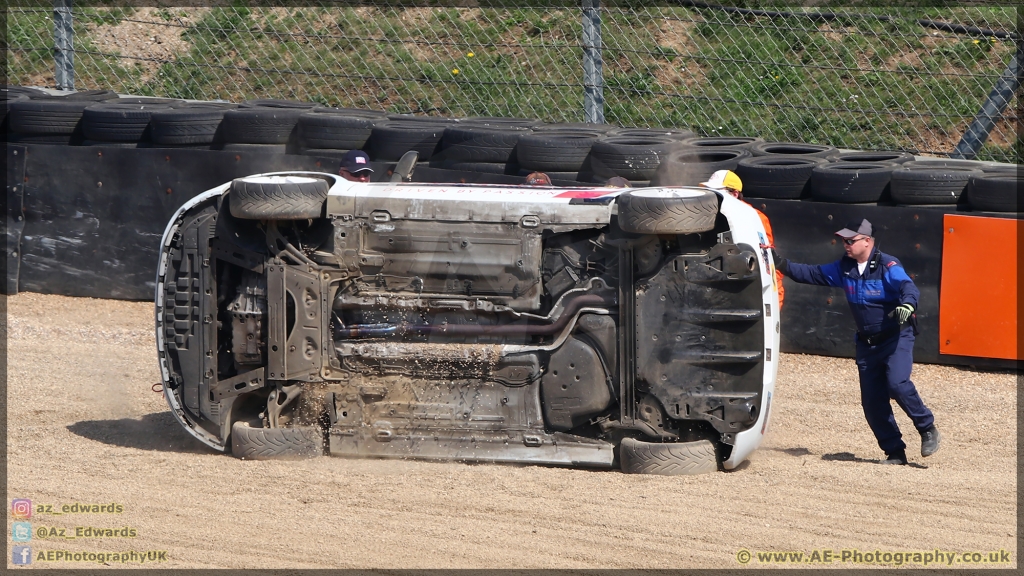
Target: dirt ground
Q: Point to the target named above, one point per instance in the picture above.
(84, 426)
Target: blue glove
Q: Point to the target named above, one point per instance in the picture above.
(903, 312)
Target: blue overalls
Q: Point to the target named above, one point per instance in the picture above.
(885, 350)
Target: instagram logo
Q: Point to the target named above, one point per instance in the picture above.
(21, 508)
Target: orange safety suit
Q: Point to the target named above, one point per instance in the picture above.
(771, 242)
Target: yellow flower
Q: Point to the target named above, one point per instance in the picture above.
(455, 70)
(975, 41)
(470, 54)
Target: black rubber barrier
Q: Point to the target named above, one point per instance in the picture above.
(87, 221)
(817, 320)
(92, 217)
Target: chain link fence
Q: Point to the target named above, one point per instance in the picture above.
(866, 78)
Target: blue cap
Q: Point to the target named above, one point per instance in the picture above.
(356, 161)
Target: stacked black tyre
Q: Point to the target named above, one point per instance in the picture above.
(46, 121)
(734, 142)
(263, 126)
(191, 125)
(122, 123)
(778, 177)
(561, 154)
(923, 185)
(390, 139)
(996, 191)
(331, 132)
(482, 145)
(851, 182)
(690, 166)
(781, 170)
(635, 158)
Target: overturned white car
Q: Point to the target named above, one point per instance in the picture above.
(300, 313)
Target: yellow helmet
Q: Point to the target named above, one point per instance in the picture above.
(724, 179)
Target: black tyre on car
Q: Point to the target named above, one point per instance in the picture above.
(667, 458)
(278, 197)
(296, 443)
(667, 211)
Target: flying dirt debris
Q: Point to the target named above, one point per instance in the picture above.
(300, 313)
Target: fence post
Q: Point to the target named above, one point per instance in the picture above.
(63, 50)
(976, 134)
(593, 74)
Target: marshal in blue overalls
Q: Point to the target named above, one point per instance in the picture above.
(882, 299)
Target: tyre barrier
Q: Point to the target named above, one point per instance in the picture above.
(556, 151)
(338, 130)
(478, 142)
(191, 124)
(672, 133)
(487, 145)
(930, 185)
(722, 141)
(632, 157)
(783, 177)
(261, 124)
(391, 139)
(881, 156)
(791, 149)
(574, 126)
(691, 166)
(142, 187)
(113, 121)
(996, 192)
(851, 182)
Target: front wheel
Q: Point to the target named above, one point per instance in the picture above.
(667, 211)
(298, 443)
(669, 458)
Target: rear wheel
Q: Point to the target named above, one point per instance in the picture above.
(667, 211)
(298, 443)
(667, 459)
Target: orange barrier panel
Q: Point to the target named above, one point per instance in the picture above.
(978, 289)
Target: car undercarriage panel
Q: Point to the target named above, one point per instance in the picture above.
(511, 335)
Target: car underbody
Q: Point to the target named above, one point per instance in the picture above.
(475, 323)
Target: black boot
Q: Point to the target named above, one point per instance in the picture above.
(898, 457)
(930, 438)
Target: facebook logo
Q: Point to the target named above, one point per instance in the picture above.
(21, 555)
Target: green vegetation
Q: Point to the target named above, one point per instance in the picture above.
(851, 81)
